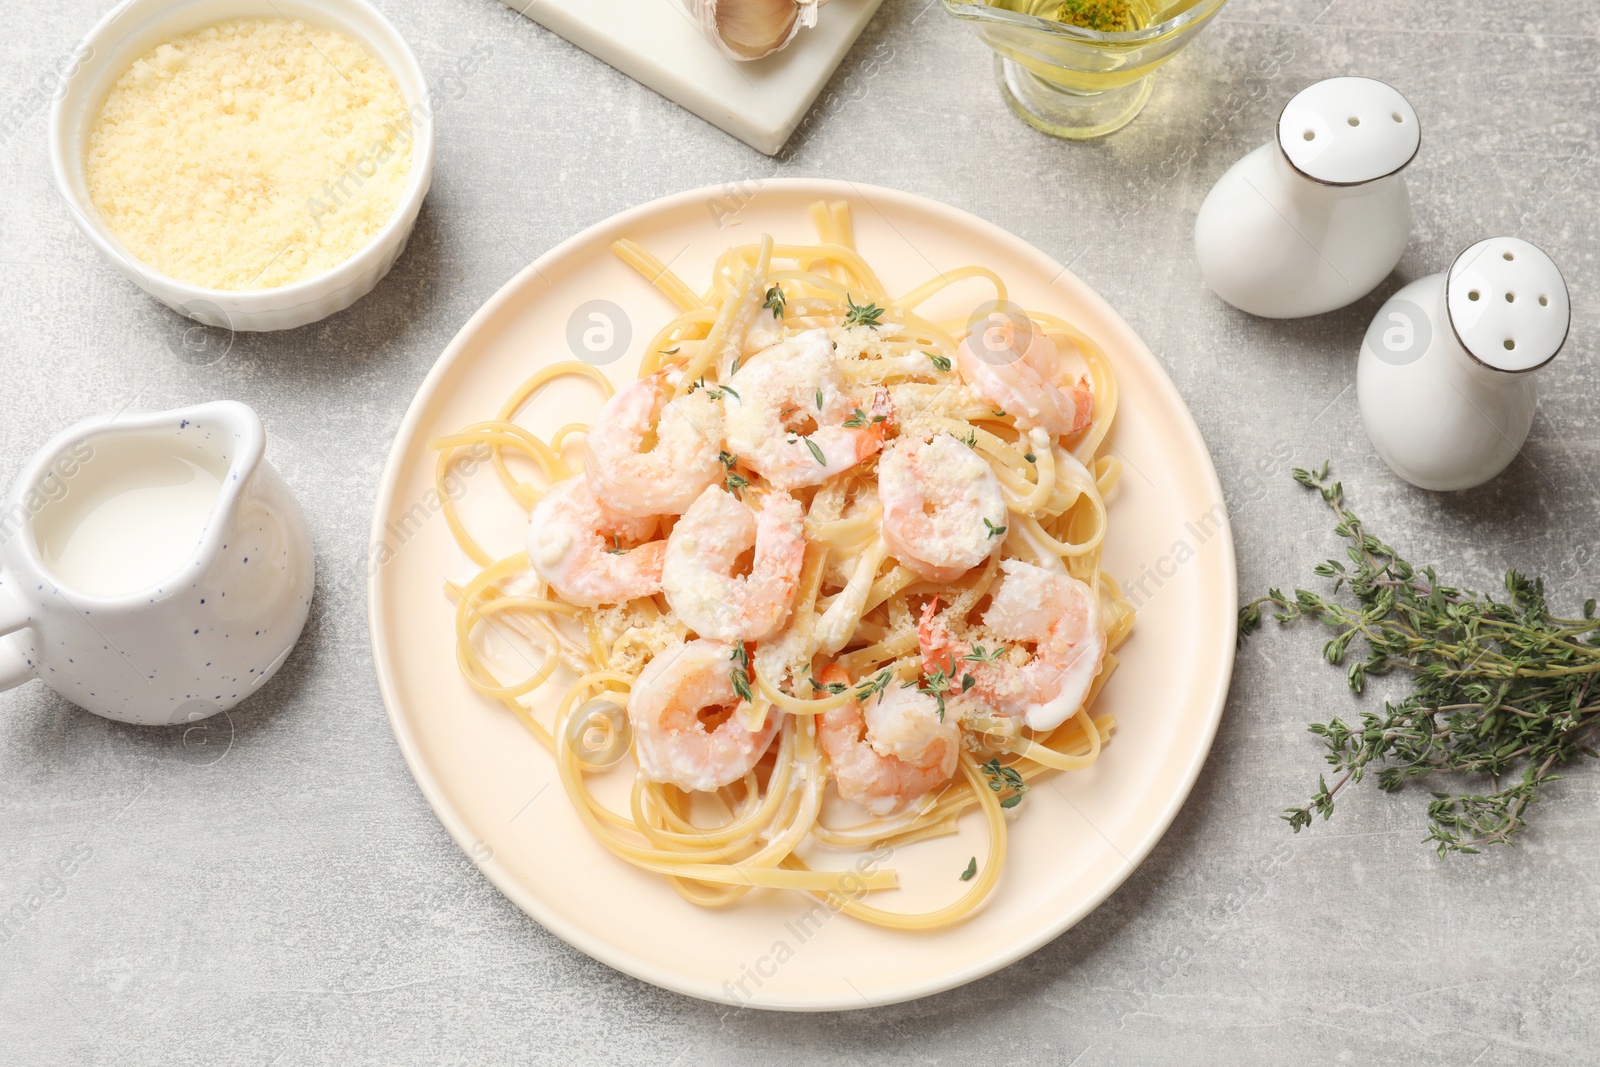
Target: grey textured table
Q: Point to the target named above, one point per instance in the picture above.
(298, 902)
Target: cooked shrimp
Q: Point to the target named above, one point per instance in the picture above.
(894, 752)
(588, 553)
(789, 417)
(703, 552)
(1017, 367)
(943, 511)
(1057, 614)
(675, 706)
(664, 478)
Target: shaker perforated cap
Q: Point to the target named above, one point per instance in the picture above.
(1508, 304)
(1348, 131)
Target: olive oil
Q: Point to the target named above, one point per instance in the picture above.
(1079, 64)
(1106, 16)
(1081, 68)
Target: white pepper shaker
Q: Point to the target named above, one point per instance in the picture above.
(1443, 380)
(1315, 219)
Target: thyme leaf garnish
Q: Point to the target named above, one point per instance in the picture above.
(732, 480)
(739, 674)
(1005, 780)
(868, 314)
(936, 685)
(876, 684)
(831, 687)
(859, 418)
(775, 301)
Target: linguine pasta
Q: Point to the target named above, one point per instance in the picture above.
(858, 613)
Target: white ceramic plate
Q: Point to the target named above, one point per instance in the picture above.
(1076, 837)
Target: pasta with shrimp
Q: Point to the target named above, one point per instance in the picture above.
(826, 570)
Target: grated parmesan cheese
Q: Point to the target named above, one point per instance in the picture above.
(250, 154)
(633, 636)
(861, 342)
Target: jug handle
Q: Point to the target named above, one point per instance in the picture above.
(14, 668)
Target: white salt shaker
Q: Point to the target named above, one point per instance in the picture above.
(1443, 379)
(1317, 218)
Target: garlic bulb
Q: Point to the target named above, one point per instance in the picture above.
(750, 29)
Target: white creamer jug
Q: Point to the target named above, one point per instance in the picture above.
(154, 568)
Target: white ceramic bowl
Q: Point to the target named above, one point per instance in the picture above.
(133, 28)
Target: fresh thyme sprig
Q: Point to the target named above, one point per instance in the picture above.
(733, 481)
(830, 687)
(940, 363)
(739, 673)
(1003, 780)
(868, 314)
(859, 419)
(1500, 689)
(876, 684)
(937, 684)
(775, 302)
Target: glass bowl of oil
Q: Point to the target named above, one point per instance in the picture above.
(1081, 68)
